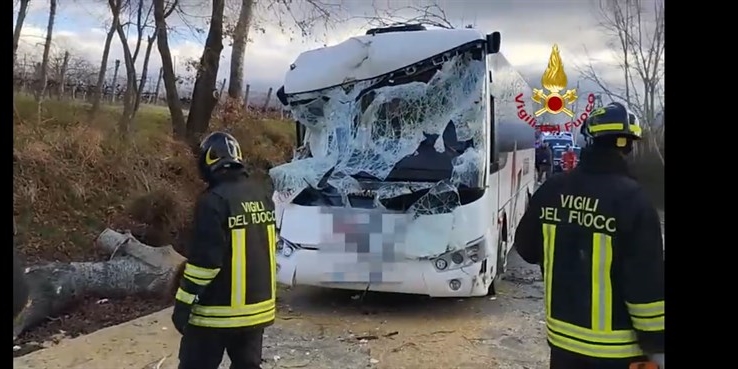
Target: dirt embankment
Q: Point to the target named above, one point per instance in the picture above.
(73, 176)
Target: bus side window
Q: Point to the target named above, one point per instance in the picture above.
(493, 147)
(299, 133)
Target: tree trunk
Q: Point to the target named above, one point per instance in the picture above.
(240, 38)
(41, 88)
(97, 97)
(134, 268)
(19, 26)
(129, 97)
(170, 80)
(62, 78)
(204, 93)
(145, 69)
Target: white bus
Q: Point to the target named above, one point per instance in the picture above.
(413, 167)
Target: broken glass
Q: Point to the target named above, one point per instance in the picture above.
(367, 132)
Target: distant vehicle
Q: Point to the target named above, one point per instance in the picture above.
(557, 152)
(561, 139)
(413, 167)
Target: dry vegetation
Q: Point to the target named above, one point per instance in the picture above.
(73, 176)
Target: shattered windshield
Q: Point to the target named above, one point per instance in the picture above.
(421, 128)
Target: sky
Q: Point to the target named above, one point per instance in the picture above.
(529, 29)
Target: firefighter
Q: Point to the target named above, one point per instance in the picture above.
(598, 241)
(544, 157)
(226, 295)
(568, 159)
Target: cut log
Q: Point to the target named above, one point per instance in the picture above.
(134, 268)
(20, 286)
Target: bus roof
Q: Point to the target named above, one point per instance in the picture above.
(369, 56)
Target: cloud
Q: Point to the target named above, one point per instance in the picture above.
(529, 29)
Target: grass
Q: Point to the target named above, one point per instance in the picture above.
(73, 176)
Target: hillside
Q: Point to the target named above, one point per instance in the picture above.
(73, 176)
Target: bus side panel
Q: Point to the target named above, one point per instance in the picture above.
(525, 180)
(494, 225)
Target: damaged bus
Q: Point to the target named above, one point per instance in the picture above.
(412, 169)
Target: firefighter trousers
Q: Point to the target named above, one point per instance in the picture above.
(202, 348)
(562, 359)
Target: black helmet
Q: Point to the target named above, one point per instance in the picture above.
(612, 120)
(218, 150)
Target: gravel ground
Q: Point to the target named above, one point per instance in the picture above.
(327, 329)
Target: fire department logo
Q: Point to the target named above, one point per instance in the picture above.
(554, 99)
(554, 81)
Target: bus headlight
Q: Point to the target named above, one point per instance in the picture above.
(285, 247)
(473, 253)
(280, 245)
(441, 264)
(287, 251)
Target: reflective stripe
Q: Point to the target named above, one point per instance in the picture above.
(601, 282)
(272, 260)
(185, 296)
(648, 324)
(238, 267)
(599, 340)
(586, 334)
(233, 322)
(647, 309)
(594, 350)
(197, 281)
(230, 311)
(615, 127)
(200, 272)
(549, 241)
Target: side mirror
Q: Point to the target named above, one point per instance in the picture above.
(281, 96)
(493, 43)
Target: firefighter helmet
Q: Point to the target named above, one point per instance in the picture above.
(219, 150)
(612, 120)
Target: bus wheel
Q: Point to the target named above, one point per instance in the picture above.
(499, 267)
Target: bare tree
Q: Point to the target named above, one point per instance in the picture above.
(240, 37)
(302, 17)
(145, 67)
(205, 93)
(161, 12)
(292, 17)
(22, 11)
(426, 13)
(130, 96)
(637, 29)
(97, 97)
(41, 88)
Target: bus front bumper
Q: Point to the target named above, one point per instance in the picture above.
(313, 268)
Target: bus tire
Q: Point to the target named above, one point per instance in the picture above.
(500, 263)
(502, 248)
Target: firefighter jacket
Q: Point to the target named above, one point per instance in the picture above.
(598, 240)
(230, 272)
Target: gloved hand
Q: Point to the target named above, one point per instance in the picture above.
(181, 316)
(658, 359)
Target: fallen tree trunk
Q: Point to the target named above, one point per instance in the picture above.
(134, 268)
